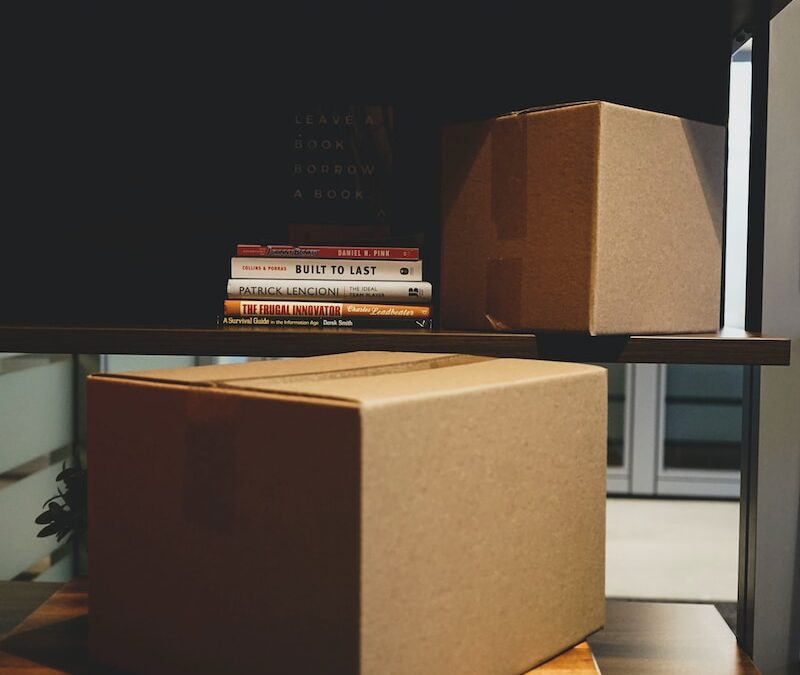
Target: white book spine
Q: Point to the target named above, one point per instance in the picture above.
(292, 268)
(329, 289)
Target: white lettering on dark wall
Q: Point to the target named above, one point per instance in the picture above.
(335, 169)
(333, 119)
(329, 193)
(321, 141)
(314, 144)
(313, 119)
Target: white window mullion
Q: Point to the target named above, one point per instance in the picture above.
(619, 477)
(647, 428)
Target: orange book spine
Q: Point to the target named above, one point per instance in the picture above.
(333, 309)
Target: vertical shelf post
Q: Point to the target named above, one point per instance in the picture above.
(769, 597)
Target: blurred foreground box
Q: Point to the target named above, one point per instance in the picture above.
(366, 513)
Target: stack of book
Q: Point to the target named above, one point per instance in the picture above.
(327, 287)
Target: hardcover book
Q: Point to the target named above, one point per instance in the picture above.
(366, 252)
(324, 322)
(292, 268)
(366, 291)
(324, 309)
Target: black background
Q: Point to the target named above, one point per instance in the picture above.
(142, 141)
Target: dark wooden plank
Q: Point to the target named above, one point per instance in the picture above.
(729, 346)
(20, 598)
(639, 637)
(726, 347)
(52, 641)
(667, 638)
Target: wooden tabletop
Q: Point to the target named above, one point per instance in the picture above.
(655, 638)
(640, 638)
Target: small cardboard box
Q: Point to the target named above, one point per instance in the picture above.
(359, 513)
(588, 217)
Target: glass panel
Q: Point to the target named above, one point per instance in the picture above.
(36, 434)
(616, 414)
(116, 363)
(35, 408)
(20, 503)
(703, 417)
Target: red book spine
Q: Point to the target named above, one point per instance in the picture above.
(352, 252)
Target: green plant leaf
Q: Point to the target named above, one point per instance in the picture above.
(65, 513)
(44, 518)
(50, 529)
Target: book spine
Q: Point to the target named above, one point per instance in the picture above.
(291, 268)
(355, 252)
(364, 291)
(324, 322)
(324, 309)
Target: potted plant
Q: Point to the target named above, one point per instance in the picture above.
(65, 514)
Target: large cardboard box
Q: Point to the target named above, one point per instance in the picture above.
(363, 513)
(590, 217)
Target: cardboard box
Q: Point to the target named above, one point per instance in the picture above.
(363, 513)
(588, 217)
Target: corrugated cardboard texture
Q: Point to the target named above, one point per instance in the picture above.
(294, 368)
(361, 513)
(589, 217)
(659, 223)
(454, 377)
(224, 531)
(545, 180)
(482, 527)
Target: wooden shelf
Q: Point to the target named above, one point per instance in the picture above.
(639, 637)
(726, 347)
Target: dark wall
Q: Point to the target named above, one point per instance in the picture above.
(145, 140)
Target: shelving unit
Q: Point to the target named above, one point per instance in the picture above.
(726, 347)
(118, 138)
